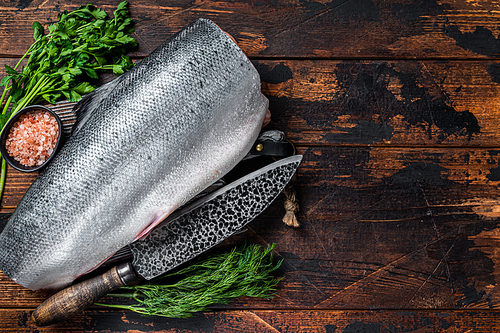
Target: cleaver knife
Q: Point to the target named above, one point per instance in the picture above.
(184, 235)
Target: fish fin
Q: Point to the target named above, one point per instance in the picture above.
(146, 231)
(89, 103)
(157, 220)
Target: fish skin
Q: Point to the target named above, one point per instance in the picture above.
(144, 144)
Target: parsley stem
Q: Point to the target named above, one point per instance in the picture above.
(80, 28)
(31, 95)
(2, 177)
(6, 107)
(7, 87)
(24, 56)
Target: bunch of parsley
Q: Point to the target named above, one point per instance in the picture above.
(62, 64)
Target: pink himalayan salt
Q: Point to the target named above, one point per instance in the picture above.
(32, 138)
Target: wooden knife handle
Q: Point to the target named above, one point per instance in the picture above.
(74, 299)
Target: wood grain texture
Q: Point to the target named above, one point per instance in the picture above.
(307, 321)
(395, 107)
(422, 222)
(382, 103)
(288, 28)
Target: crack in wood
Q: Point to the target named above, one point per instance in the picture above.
(374, 275)
(310, 18)
(433, 222)
(435, 269)
(166, 16)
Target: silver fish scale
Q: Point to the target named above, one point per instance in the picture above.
(143, 145)
(208, 224)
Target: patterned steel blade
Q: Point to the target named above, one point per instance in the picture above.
(206, 223)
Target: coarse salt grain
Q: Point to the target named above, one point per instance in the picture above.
(32, 138)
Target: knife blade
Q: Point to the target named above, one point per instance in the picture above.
(183, 236)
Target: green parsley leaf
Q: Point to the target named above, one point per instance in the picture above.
(37, 30)
(10, 70)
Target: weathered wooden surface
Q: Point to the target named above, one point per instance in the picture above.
(389, 103)
(267, 322)
(395, 107)
(289, 28)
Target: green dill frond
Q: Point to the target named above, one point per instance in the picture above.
(218, 279)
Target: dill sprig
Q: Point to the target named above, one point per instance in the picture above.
(218, 279)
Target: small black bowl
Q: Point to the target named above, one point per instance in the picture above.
(5, 132)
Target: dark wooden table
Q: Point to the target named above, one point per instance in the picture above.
(395, 106)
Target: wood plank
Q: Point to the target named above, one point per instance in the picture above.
(396, 103)
(450, 175)
(421, 222)
(383, 221)
(265, 321)
(285, 28)
(382, 103)
(395, 108)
